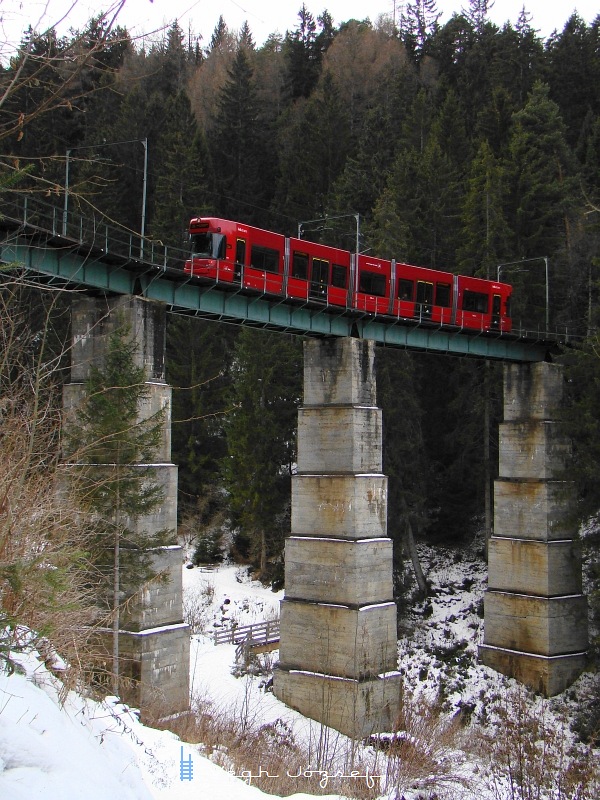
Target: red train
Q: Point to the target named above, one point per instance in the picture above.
(254, 260)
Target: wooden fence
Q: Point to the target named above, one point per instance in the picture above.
(248, 637)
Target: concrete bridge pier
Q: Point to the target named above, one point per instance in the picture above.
(535, 612)
(338, 648)
(154, 642)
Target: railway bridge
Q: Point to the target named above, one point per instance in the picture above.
(338, 557)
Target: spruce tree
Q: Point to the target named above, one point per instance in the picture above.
(200, 375)
(303, 56)
(237, 144)
(485, 233)
(182, 174)
(405, 461)
(313, 152)
(542, 171)
(260, 431)
(573, 73)
(110, 449)
(418, 24)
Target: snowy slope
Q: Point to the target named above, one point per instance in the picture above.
(97, 751)
(78, 748)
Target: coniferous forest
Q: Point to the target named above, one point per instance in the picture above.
(462, 146)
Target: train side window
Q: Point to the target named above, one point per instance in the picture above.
(300, 265)
(219, 245)
(496, 304)
(339, 276)
(240, 251)
(475, 301)
(264, 258)
(442, 294)
(424, 293)
(406, 289)
(371, 283)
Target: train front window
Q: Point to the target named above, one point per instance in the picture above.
(202, 245)
(208, 245)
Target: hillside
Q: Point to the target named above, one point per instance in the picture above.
(462, 730)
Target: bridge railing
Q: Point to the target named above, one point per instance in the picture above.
(92, 231)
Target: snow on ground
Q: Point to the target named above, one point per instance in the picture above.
(71, 748)
(98, 751)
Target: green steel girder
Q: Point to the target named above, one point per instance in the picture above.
(69, 266)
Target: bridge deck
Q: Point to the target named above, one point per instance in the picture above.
(84, 253)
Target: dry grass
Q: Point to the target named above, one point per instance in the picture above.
(422, 755)
(424, 752)
(197, 607)
(532, 755)
(44, 580)
(270, 756)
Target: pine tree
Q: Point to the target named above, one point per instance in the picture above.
(260, 433)
(573, 73)
(478, 13)
(495, 119)
(303, 56)
(405, 461)
(313, 152)
(110, 448)
(543, 187)
(485, 233)
(245, 38)
(182, 174)
(453, 427)
(199, 375)
(219, 36)
(236, 143)
(418, 24)
(581, 426)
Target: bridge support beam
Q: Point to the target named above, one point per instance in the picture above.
(338, 648)
(154, 642)
(534, 610)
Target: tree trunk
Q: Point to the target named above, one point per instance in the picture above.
(412, 549)
(116, 592)
(487, 464)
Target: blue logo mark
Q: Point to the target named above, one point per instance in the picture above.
(186, 768)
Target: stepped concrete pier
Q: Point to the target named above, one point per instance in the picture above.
(338, 647)
(154, 642)
(534, 610)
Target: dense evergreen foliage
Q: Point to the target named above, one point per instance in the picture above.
(463, 146)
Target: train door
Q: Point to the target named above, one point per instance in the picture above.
(496, 312)
(319, 279)
(240, 259)
(424, 299)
